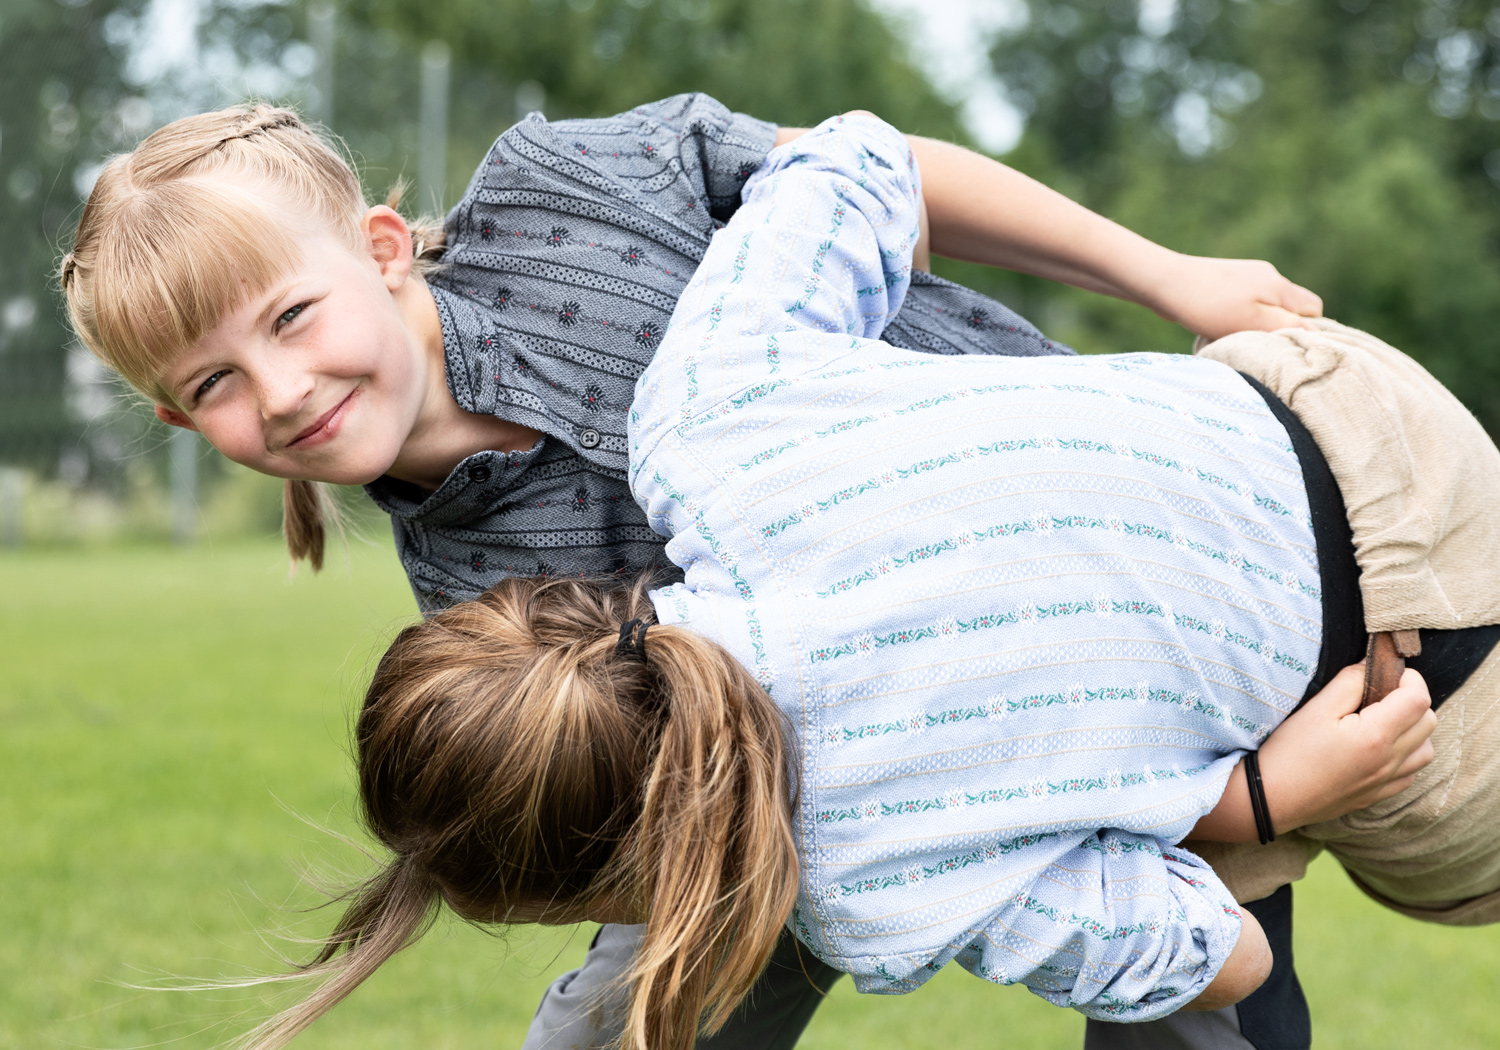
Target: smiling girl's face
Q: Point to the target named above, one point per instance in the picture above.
(324, 375)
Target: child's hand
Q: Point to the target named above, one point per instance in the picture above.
(1330, 758)
(1215, 297)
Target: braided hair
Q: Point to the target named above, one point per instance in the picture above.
(181, 229)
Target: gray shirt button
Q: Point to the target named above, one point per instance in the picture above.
(479, 473)
(589, 437)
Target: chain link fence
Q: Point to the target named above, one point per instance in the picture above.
(81, 456)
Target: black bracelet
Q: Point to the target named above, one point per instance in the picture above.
(1258, 804)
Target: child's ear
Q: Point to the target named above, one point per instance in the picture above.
(172, 417)
(388, 240)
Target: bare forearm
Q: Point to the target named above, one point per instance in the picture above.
(986, 212)
(1330, 758)
(983, 211)
(1232, 820)
(980, 210)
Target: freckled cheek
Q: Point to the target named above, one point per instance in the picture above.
(237, 436)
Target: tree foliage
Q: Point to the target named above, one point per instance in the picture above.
(1354, 144)
(62, 105)
(789, 61)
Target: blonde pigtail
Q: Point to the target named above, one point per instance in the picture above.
(308, 509)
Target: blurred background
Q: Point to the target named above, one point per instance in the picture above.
(1354, 143)
(174, 711)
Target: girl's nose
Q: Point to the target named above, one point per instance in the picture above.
(283, 394)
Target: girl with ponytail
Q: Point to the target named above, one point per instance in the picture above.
(522, 763)
(990, 763)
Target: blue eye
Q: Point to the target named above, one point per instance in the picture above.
(204, 387)
(290, 316)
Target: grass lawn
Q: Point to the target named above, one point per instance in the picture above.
(170, 721)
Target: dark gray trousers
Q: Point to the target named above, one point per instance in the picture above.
(582, 1009)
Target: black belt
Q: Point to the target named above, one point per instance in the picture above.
(1447, 659)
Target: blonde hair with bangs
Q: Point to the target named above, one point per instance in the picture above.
(167, 245)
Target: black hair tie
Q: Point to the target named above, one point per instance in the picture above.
(633, 639)
(1258, 805)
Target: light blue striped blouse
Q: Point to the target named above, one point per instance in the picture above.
(1024, 614)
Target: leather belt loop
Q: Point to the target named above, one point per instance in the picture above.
(1385, 660)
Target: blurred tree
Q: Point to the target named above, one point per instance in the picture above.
(1353, 144)
(790, 61)
(63, 104)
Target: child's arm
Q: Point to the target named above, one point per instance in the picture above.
(1330, 758)
(1246, 969)
(808, 272)
(983, 211)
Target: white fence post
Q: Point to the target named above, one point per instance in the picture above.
(183, 456)
(432, 167)
(529, 96)
(12, 505)
(322, 34)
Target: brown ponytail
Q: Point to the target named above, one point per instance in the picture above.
(520, 768)
(713, 844)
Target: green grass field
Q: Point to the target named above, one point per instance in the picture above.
(174, 734)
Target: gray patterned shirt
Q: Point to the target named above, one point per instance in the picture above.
(566, 257)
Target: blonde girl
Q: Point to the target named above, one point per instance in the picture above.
(988, 763)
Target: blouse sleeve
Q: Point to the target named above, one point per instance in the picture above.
(811, 269)
(1120, 927)
(1163, 929)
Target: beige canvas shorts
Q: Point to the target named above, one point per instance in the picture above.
(1421, 482)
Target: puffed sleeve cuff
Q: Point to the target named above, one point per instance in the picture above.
(1155, 988)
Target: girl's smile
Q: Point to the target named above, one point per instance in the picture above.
(326, 427)
(335, 373)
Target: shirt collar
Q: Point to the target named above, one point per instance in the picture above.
(471, 490)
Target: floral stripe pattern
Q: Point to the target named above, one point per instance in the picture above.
(888, 478)
(868, 642)
(919, 873)
(962, 393)
(1044, 525)
(998, 707)
(993, 641)
(820, 258)
(765, 674)
(1112, 781)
